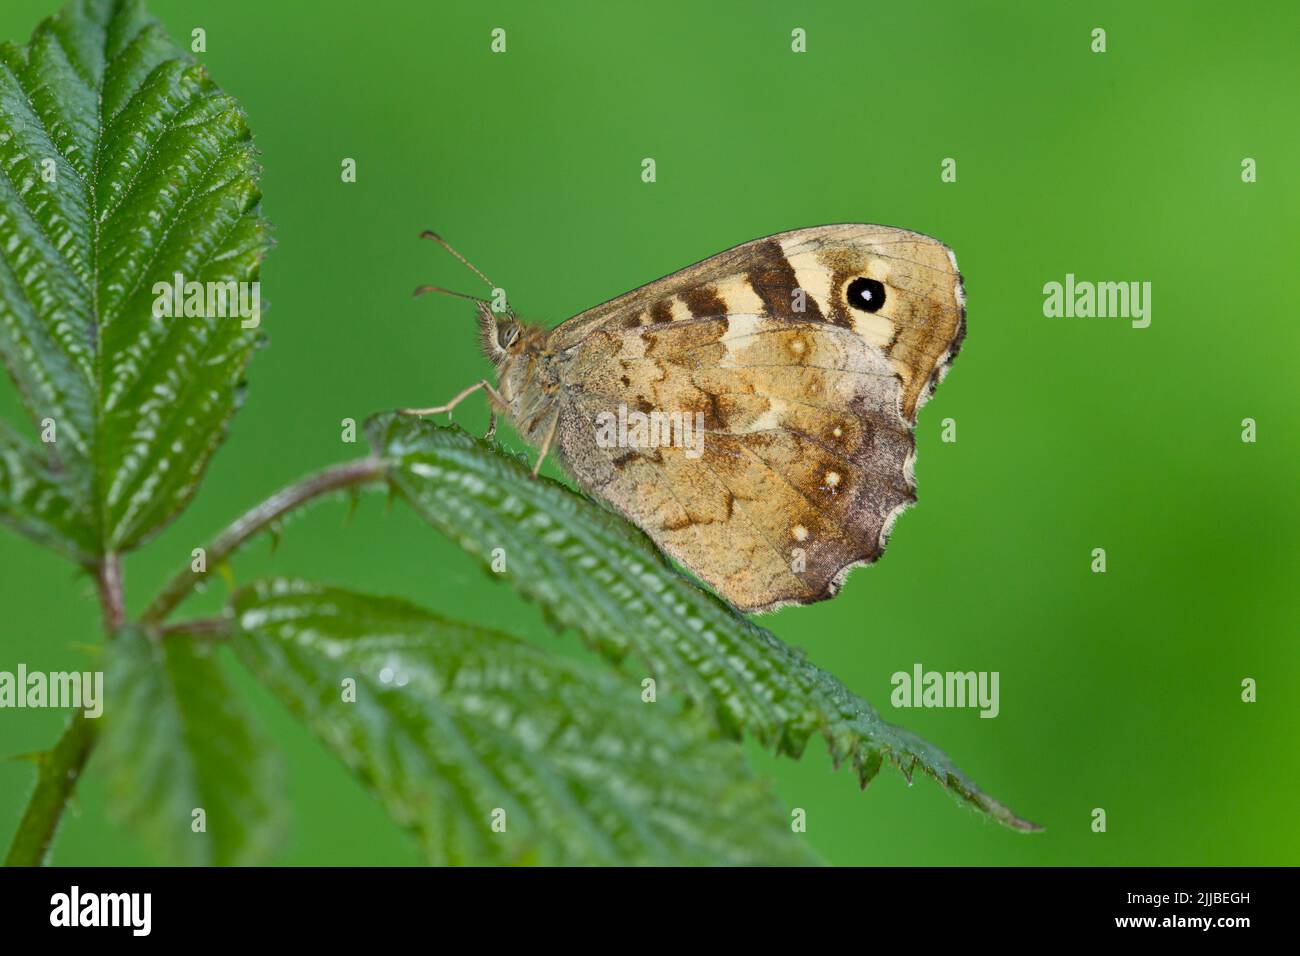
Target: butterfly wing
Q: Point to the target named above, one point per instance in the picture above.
(804, 357)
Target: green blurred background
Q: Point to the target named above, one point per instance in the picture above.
(1118, 690)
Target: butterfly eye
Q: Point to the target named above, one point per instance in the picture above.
(507, 333)
(866, 294)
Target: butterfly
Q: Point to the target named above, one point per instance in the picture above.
(752, 413)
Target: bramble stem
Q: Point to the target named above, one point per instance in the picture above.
(112, 595)
(256, 519)
(203, 628)
(61, 766)
(59, 770)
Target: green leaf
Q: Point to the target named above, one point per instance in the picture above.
(36, 499)
(452, 723)
(175, 740)
(591, 570)
(123, 166)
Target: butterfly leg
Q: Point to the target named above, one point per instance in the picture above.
(484, 383)
(546, 445)
(492, 426)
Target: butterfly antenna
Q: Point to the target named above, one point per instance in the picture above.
(430, 234)
(422, 290)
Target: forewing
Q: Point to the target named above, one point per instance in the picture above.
(919, 328)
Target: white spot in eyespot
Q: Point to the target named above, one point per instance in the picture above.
(800, 532)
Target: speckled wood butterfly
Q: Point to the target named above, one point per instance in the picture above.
(753, 413)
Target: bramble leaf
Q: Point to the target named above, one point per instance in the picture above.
(591, 570)
(175, 741)
(492, 751)
(123, 167)
(37, 500)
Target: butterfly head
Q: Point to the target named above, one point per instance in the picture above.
(501, 336)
